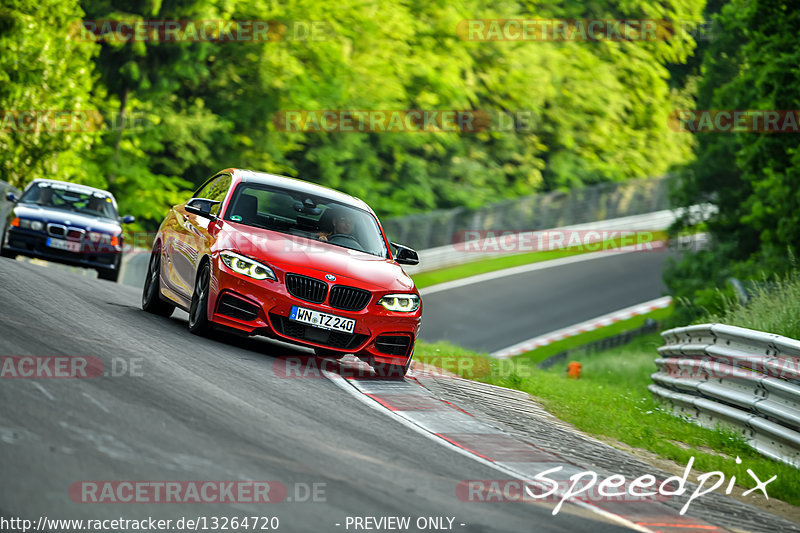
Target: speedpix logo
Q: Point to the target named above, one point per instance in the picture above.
(588, 486)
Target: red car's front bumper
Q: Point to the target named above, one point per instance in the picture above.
(263, 308)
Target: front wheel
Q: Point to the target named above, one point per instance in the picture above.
(151, 293)
(198, 311)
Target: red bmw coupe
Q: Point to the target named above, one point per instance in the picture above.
(276, 256)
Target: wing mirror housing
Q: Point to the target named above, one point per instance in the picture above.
(405, 255)
(11, 197)
(202, 207)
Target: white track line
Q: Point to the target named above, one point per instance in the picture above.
(353, 387)
(463, 282)
(589, 325)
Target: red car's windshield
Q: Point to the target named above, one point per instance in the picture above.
(297, 213)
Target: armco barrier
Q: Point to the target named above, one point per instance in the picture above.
(452, 255)
(555, 209)
(742, 378)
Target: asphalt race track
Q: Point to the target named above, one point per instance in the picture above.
(495, 314)
(215, 409)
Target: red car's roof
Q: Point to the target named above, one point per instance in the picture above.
(251, 176)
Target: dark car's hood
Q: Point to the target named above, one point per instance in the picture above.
(297, 254)
(68, 218)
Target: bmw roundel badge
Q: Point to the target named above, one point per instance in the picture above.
(330, 277)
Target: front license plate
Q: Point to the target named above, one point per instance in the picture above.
(61, 244)
(322, 320)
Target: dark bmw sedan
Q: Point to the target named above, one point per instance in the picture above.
(66, 223)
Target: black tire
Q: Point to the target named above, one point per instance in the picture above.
(151, 293)
(388, 371)
(108, 274)
(198, 310)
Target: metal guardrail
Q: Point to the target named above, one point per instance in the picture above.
(554, 209)
(452, 255)
(746, 379)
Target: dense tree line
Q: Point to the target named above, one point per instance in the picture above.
(752, 176)
(174, 112)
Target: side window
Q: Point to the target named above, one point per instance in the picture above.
(218, 191)
(202, 192)
(215, 189)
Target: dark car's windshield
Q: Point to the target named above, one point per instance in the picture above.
(295, 213)
(62, 196)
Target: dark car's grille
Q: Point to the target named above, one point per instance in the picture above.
(305, 288)
(392, 344)
(57, 230)
(349, 298)
(236, 308)
(334, 339)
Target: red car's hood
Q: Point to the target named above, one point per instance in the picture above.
(298, 254)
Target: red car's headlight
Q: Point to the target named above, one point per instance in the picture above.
(403, 303)
(246, 266)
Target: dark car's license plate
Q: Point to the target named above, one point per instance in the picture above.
(61, 244)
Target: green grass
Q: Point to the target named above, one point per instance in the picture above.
(774, 309)
(434, 277)
(611, 399)
(540, 354)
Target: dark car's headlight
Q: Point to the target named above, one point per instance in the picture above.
(246, 266)
(403, 303)
(98, 237)
(35, 225)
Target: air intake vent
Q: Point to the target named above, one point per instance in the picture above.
(392, 344)
(236, 308)
(305, 288)
(349, 298)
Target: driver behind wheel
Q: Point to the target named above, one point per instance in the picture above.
(340, 223)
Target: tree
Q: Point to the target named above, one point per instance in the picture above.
(753, 178)
(48, 121)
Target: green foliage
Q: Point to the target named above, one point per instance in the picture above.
(181, 110)
(42, 70)
(753, 178)
(774, 308)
